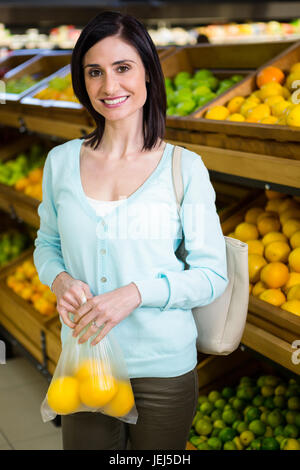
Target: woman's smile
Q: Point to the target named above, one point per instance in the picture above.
(114, 102)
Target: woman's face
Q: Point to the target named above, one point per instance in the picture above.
(115, 78)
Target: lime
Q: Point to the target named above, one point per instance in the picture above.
(203, 446)
(269, 403)
(258, 400)
(201, 90)
(278, 431)
(214, 395)
(202, 74)
(272, 380)
(279, 401)
(246, 437)
(185, 107)
(231, 400)
(216, 414)
(202, 399)
(290, 444)
(203, 427)
(245, 392)
(238, 443)
(290, 417)
(227, 407)
(269, 432)
(269, 443)
(294, 403)
(229, 416)
(215, 432)
(275, 418)
(242, 427)
(206, 408)
(196, 440)
(197, 416)
(220, 403)
(229, 445)
(261, 381)
(280, 390)
(219, 424)
(236, 423)
(246, 380)
(267, 391)
(292, 391)
(227, 434)
(280, 438)
(258, 427)
(238, 404)
(290, 430)
(256, 444)
(215, 443)
(227, 392)
(252, 414)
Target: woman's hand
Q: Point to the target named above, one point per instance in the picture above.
(70, 295)
(106, 309)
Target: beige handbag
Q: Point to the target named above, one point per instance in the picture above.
(220, 324)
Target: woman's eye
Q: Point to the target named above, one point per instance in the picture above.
(123, 68)
(94, 73)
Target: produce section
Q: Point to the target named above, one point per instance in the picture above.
(268, 220)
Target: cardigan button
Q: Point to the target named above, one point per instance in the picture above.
(103, 279)
(103, 251)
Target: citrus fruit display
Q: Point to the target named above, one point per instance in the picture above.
(187, 92)
(59, 88)
(272, 232)
(95, 387)
(25, 172)
(273, 101)
(267, 417)
(12, 243)
(24, 281)
(19, 85)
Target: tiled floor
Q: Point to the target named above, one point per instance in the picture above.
(22, 390)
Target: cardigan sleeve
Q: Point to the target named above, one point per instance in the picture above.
(47, 255)
(206, 278)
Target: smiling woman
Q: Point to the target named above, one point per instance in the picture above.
(129, 80)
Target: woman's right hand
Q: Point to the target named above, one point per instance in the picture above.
(70, 295)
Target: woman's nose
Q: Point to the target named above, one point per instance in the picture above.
(109, 85)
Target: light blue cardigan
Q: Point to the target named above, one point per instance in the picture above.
(136, 242)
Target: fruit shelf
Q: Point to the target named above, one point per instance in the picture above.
(17, 203)
(269, 330)
(20, 318)
(269, 139)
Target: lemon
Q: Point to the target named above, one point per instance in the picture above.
(63, 395)
(269, 120)
(292, 306)
(245, 231)
(293, 117)
(259, 112)
(122, 402)
(271, 100)
(277, 251)
(279, 108)
(290, 444)
(217, 113)
(295, 239)
(258, 288)
(238, 443)
(236, 117)
(255, 246)
(291, 78)
(294, 292)
(290, 227)
(235, 103)
(247, 437)
(252, 214)
(273, 237)
(270, 89)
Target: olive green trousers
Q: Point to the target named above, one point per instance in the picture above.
(166, 407)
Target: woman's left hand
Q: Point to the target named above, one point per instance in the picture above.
(105, 309)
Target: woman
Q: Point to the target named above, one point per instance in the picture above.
(109, 230)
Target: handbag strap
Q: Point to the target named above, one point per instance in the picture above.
(177, 176)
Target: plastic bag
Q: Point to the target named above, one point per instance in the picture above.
(90, 378)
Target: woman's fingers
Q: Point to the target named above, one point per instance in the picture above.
(105, 330)
(65, 317)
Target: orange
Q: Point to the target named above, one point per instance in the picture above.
(294, 293)
(288, 203)
(21, 184)
(97, 390)
(35, 175)
(63, 395)
(245, 231)
(269, 74)
(90, 367)
(273, 205)
(255, 246)
(271, 194)
(255, 264)
(277, 251)
(43, 306)
(235, 103)
(252, 214)
(293, 280)
(122, 402)
(217, 112)
(270, 89)
(50, 296)
(275, 274)
(273, 296)
(294, 260)
(268, 224)
(26, 293)
(295, 239)
(258, 288)
(10, 281)
(292, 306)
(274, 237)
(290, 227)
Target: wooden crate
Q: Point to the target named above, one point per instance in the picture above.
(267, 139)
(52, 340)
(54, 109)
(13, 61)
(164, 51)
(269, 330)
(16, 202)
(42, 66)
(17, 314)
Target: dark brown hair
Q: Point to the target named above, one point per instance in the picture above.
(133, 32)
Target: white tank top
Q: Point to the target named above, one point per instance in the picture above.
(103, 207)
